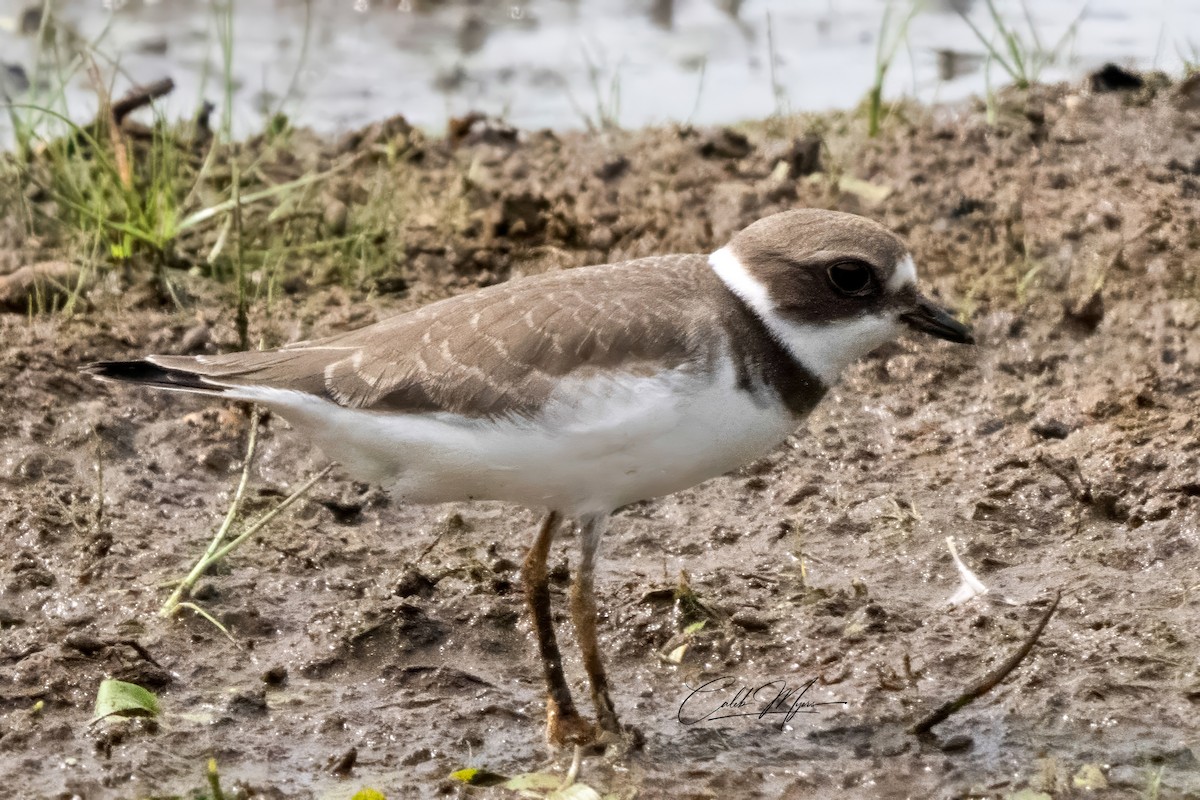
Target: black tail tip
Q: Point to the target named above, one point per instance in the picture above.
(146, 373)
(136, 371)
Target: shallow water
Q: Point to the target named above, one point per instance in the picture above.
(574, 63)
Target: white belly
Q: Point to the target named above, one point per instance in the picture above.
(600, 443)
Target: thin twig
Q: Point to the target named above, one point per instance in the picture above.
(272, 514)
(215, 622)
(137, 648)
(185, 585)
(992, 679)
(243, 317)
(1077, 485)
(213, 556)
(99, 483)
(140, 96)
(573, 772)
(205, 214)
(436, 541)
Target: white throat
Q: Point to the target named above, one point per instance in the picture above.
(823, 349)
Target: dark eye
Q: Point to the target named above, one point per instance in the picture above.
(851, 277)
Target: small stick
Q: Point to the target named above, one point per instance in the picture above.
(216, 623)
(573, 772)
(436, 541)
(137, 648)
(215, 554)
(100, 484)
(206, 560)
(140, 96)
(243, 317)
(992, 679)
(270, 515)
(1081, 492)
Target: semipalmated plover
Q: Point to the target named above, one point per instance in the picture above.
(584, 390)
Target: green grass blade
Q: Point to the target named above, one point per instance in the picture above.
(992, 52)
(206, 214)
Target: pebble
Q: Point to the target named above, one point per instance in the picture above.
(601, 237)
(196, 340)
(726, 143)
(751, 621)
(958, 744)
(275, 676)
(1050, 429)
(336, 217)
(613, 168)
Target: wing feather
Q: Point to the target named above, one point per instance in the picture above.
(499, 351)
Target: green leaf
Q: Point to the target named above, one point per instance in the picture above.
(118, 698)
(368, 794)
(477, 777)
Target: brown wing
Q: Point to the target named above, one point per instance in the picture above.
(500, 350)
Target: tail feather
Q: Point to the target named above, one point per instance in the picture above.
(147, 374)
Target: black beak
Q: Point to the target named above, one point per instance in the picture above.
(929, 317)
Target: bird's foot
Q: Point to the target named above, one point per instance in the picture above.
(613, 744)
(619, 740)
(609, 738)
(568, 728)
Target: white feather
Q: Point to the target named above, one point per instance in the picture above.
(904, 275)
(601, 442)
(969, 586)
(824, 349)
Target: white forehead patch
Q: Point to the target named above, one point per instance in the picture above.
(740, 282)
(904, 275)
(824, 349)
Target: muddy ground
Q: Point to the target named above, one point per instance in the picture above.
(1062, 453)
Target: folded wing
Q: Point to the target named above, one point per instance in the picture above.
(496, 352)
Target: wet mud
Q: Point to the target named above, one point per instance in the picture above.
(1061, 453)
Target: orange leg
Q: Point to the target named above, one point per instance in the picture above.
(583, 614)
(563, 723)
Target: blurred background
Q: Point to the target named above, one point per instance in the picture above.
(339, 64)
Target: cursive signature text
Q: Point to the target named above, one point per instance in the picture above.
(712, 701)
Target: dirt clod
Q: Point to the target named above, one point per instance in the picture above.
(41, 286)
(725, 143)
(1113, 78)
